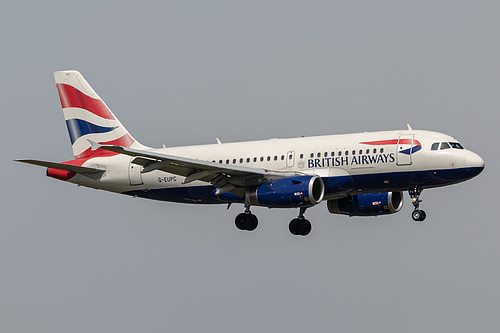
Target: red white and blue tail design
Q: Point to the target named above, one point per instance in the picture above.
(87, 116)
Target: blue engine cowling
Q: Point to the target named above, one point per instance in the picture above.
(288, 192)
(367, 204)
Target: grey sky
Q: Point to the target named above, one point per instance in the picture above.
(185, 72)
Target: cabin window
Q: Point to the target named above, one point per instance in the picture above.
(234, 161)
(248, 159)
(227, 161)
(319, 155)
(354, 152)
(381, 150)
(367, 151)
(326, 154)
(312, 155)
(220, 161)
(275, 157)
(255, 159)
(283, 157)
(445, 145)
(346, 152)
(435, 146)
(301, 156)
(241, 160)
(361, 152)
(375, 150)
(262, 158)
(340, 153)
(333, 153)
(269, 158)
(290, 156)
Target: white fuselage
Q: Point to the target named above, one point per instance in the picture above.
(373, 161)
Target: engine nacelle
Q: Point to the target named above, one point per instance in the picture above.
(289, 192)
(367, 204)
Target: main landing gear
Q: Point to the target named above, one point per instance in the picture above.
(246, 221)
(417, 214)
(300, 226)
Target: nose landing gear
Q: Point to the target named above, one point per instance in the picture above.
(417, 215)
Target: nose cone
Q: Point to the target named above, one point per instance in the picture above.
(475, 163)
(473, 160)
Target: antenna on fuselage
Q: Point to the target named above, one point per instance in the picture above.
(409, 127)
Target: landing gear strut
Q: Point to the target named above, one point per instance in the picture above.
(246, 221)
(417, 214)
(300, 226)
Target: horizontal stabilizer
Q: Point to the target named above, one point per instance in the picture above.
(61, 166)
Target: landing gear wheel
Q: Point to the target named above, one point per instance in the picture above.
(297, 226)
(254, 222)
(242, 221)
(307, 228)
(246, 221)
(300, 227)
(418, 215)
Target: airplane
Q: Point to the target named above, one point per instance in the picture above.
(361, 174)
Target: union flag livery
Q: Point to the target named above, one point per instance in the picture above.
(361, 174)
(87, 116)
(407, 146)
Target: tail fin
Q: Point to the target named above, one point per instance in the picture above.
(87, 117)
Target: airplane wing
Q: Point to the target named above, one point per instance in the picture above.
(225, 177)
(62, 166)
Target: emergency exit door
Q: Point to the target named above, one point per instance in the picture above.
(134, 173)
(290, 158)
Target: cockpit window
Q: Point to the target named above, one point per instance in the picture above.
(445, 145)
(456, 145)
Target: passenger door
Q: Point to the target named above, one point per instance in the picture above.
(405, 144)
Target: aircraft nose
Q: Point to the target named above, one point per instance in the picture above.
(473, 160)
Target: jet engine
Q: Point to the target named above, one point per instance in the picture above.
(367, 204)
(288, 192)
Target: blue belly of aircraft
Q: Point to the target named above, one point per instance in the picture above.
(371, 183)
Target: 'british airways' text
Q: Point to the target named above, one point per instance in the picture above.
(353, 160)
